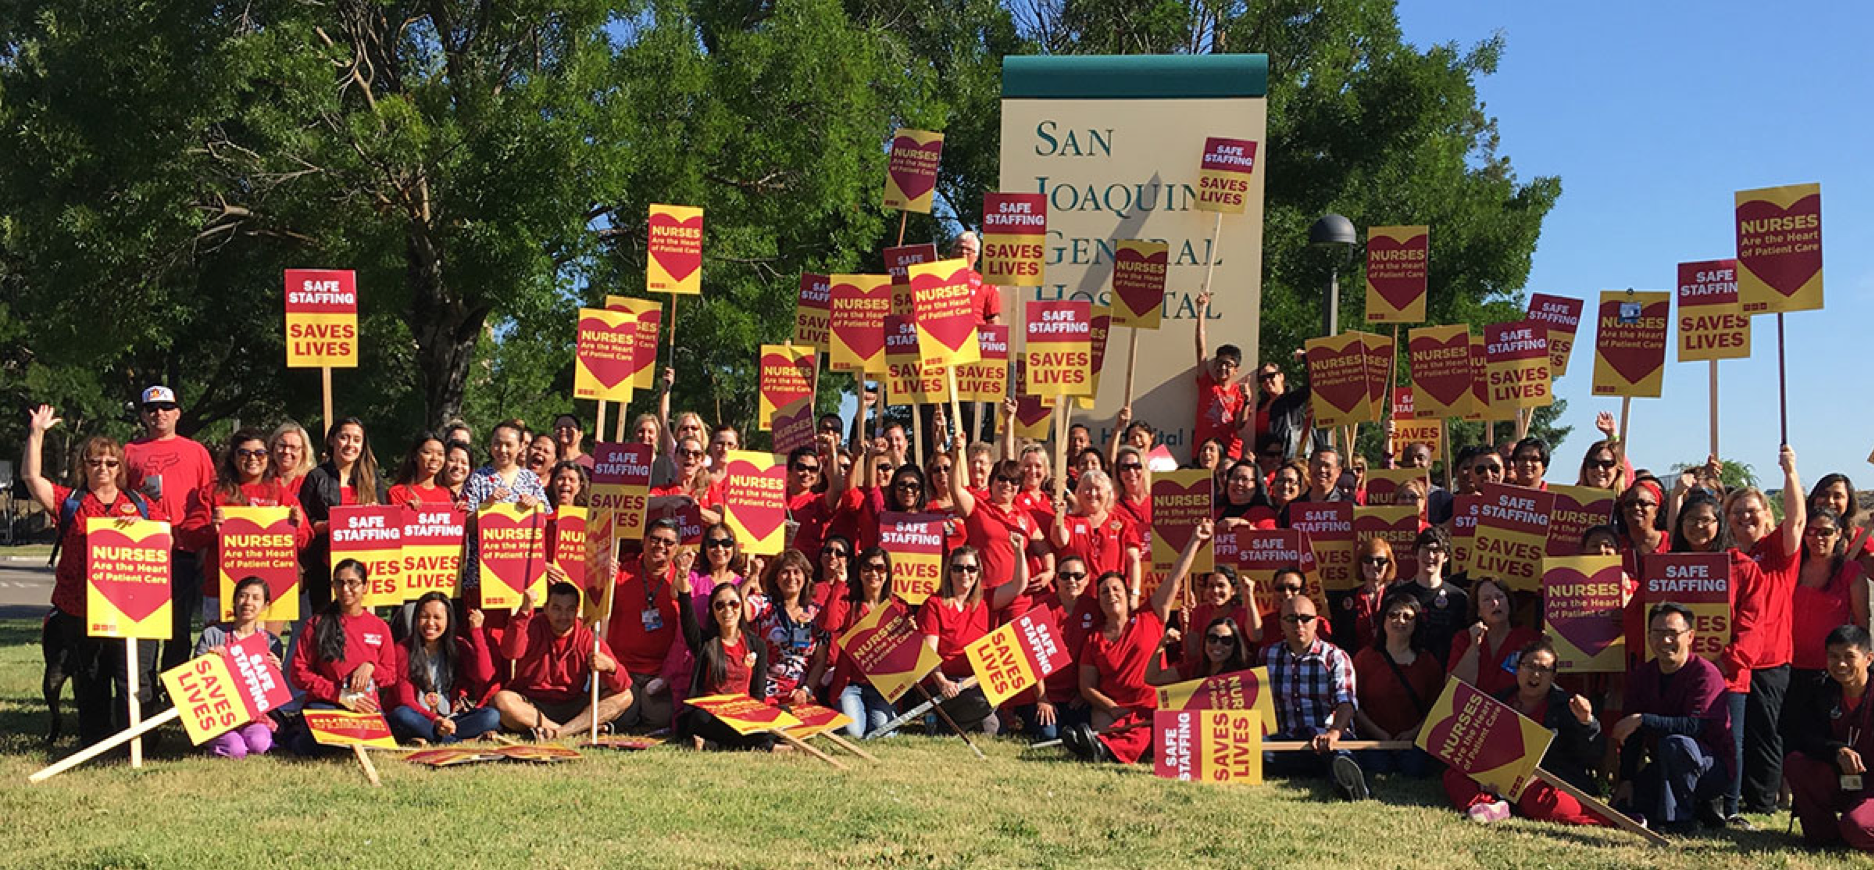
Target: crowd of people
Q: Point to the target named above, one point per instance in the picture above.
(1677, 740)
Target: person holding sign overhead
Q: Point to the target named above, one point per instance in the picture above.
(1831, 739)
(97, 666)
(1764, 623)
(251, 597)
(347, 476)
(347, 657)
(1675, 739)
(1222, 398)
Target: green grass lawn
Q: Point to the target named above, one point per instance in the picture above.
(929, 804)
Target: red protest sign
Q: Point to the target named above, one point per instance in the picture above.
(127, 578)
(1060, 349)
(1223, 175)
(1484, 739)
(226, 688)
(1259, 553)
(321, 318)
(1512, 534)
(1139, 269)
(788, 375)
(1441, 370)
(1562, 316)
(650, 315)
(857, 322)
(1517, 365)
(605, 355)
(674, 248)
(793, 426)
(907, 381)
(1779, 248)
(621, 486)
(911, 170)
(1464, 512)
(1582, 602)
(1630, 343)
(372, 534)
(898, 263)
(1701, 582)
(432, 550)
(1576, 510)
(1712, 323)
(347, 728)
(942, 306)
(1207, 746)
(1015, 235)
(1396, 273)
(1017, 656)
(889, 650)
(812, 309)
(916, 545)
(1329, 527)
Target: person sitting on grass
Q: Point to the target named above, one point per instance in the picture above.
(1397, 680)
(1114, 659)
(1225, 650)
(251, 597)
(1311, 682)
(1831, 737)
(951, 620)
(731, 659)
(554, 663)
(350, 657)
(445, 673)
(1577, 749)
(1676, 737)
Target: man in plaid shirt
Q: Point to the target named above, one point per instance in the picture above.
(1311, 681)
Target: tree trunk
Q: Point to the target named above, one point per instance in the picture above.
(445, 329)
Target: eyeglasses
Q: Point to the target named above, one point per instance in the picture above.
(102, 463)
(1527, 459)
(1288, 590)
(807, 469)
(1821, 532)
(965, 569)
(716, 543)
(343, 582)
(1131, 466)
(1267, 376)
(941, 469)
(1298, 618)
(690, 454)
(1602, 464)
(1643, 505)
(1226, 362)
(1535, 668)
(836, 552)
(251, 454)
(1376, 562)
(1219, 638)
(660, 542)
(874, 566)
(1667, 633)
(1071, 575)
(725, 604)
(1491, 468)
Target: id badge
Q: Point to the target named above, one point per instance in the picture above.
(652, 619)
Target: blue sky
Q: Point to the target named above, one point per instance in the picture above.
(1654, 114)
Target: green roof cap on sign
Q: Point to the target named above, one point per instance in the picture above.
(1139, 77)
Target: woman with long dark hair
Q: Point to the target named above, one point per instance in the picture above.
(1225, 649)
(247, 604)
(347, 657)
(242, 481)
(869, 590)
(446, 675)
(348, 476)
(730, 660)
(1396, 680)
(418, 479)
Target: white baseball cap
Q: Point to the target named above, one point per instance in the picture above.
(158, 393)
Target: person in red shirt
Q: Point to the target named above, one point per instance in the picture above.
(807, 505)
(1396, 681)
(555, 661)
(289, 456)
(1222, 400)
(689, 486)
(347, 657)
(1135, 492)
(1096, 532)
(1003, 534)
(1113, 661)
(243, 482)
(642, 624)
(458, 461)
(1358, 616)
(571, 436)
(446, 676)
(1577, 750)
(1243, 503)
(1036, 474)
(415, 483)
(1224, 649)
(98, 667)
(730, 660)
(177, 473)
(1058, 705)
(953, 619)
(1485, 655)
(1223, 593)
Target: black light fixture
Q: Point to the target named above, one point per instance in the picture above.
(1331, 230)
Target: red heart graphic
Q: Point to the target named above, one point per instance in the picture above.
(515, 566)
(137, 601)
(1398, 291)
(1399, 533)
(786, 379)
(1634, 363)
(1588, 635)
(867, 340)
(1788, 271)
(678, 256)
(609, 370)
(1139, 296)
(1445, 383)
(1500, 745)
(912, 178)
(759, 516)
(281, 579)
(952, 324)
(792, 425)
(1177, 535)
(1348, 388)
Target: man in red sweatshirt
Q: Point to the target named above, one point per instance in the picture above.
(554, 662)
(178, 474)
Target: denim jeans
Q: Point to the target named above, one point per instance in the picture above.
(1414, 762)
(408, 724)
(1065, 715)
(869, 709)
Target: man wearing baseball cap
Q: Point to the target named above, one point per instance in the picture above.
(178, 474)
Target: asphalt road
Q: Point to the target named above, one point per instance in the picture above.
(25, 587)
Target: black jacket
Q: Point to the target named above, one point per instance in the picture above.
(1809, 730)
(318, 494)
(1577, 749)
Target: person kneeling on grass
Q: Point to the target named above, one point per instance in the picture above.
(1312, 684)
(350, 656)
(444, 672)
(730, 660)
(1578, 747)
(1831, 739)
(1114, 659)
(554, 663)
(1676, 737)
(251, 597)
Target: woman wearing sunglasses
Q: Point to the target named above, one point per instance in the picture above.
(1223, 648)
(719, 566)
(1575, 752)
(869, 589)
(242, 481)
(953, 619)
(730, 660)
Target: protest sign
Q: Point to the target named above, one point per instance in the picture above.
(1015, 236)
(1712, 324)
(349, 728)
(1562, 316)
(127, 578)
(815, 719)
(857, 322)
(1180, 501)
(432, 550)
(621, 486)
(1034, 418)
(321, 318)
(889, 650)
(605, 355)
(1223, 175)
(1430, 433)
(227, 687)
(1378, 351)
(1383, 484)
(811, 310)
(907, 381)
(1517, 366)
(1260, 553)
(1018, 656)
(566, 540)
(793, 426)
(1397, 270)
(1484, 739)
(744, 714)
(1238, 690)
(1398, 526)
(1512, 535)
(674, 249)
(1630, 343)
(788, 374)
(258, 542)
(1208, 745)
(511, 548)
(1139, 270)
(373, 535)
(1338, 380)
(987, 379)
(1701, 582)
(916, 545)
(1480, 409)
(1329, 527)
(1441, 370)
(943, 308)
(1583, 598)
(1779, 249)
(1576, 510)
(1464, 512)
(898, 263)
(650, 317)
(1060, 349)
(754, 501)
(1098, 325)
(911, 169)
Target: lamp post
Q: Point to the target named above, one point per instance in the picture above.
(1332, 229)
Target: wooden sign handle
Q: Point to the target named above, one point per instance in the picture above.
(106, 745)
(802, 745)
(1619, 818)
(364, 761)
(133, 678)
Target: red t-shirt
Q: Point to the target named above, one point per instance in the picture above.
(1217, 408)
(1063, 685)
(1140, 513)
(1818, 611)
(985, 299)
(643, 623)
(1774, 627)
(810, 511)
(184, 475)
(367, 639)
(1038, 505)
(552, 669)
(988, 528)
(1122, 663)
(1385, 700)
(738, 665)
(68, 579)
(1103, 546)
(1199, 619)
(954, 627)
(404, 493)
(1496, 662)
